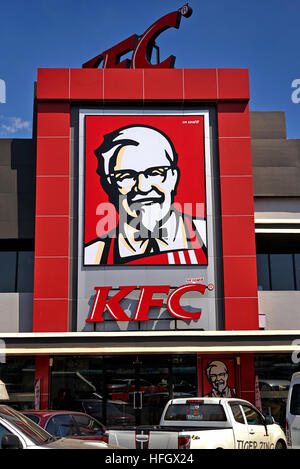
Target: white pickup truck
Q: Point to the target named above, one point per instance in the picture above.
(205, 423)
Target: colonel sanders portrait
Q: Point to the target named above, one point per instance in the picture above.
(217, 376)
(139, 171)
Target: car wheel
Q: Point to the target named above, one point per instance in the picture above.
(280, 445)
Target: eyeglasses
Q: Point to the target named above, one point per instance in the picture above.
(217, 376)
(128, 177)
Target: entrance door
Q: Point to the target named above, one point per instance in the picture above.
(138, 387)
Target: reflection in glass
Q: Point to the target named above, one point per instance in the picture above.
(8, 260)
(263, 275)
(297, 271)
(25, 271)
(282, 275)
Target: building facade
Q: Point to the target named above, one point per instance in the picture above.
(94, 300)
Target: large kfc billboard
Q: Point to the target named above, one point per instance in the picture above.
(148, 220)
(144, 190)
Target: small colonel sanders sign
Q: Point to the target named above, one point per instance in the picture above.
(144, 190)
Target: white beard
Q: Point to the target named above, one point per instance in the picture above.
(150, 216)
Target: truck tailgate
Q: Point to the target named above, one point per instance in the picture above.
(151, 439)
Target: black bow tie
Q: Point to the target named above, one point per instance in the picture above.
(161, 234)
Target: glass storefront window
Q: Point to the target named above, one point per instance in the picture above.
(122, 390)
(18, 375)
(274, 373)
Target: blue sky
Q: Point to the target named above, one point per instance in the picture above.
(261, 35)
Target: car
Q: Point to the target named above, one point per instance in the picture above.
(19, 432)
(130, 385)
(69, 424)
(117, 412)
(274, 384)
(273, 393)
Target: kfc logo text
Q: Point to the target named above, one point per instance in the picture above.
(146, 300)
(142, 46)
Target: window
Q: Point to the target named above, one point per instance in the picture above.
(196, 411)
(278, 262)
(61, 426)
(237, 413)
(282, 272)
(295, 400)
(297, 270)
(16, 265)
(274, 373)
(32, 417)
(263, 273)
(3, 431)
(8, 271)
(278, 271)
(25, 271)
(87, 426)
(252, 416)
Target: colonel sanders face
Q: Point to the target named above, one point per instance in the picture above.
(217, 375)
(141, 173)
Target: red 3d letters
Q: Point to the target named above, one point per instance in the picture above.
(145, 302)
(141, 46)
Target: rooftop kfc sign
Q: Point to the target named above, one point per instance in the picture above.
(141, 46)
(145, 302)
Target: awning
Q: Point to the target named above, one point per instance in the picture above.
(142, 342)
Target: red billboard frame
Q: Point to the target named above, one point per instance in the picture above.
(57, 90)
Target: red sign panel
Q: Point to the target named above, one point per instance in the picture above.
(145, 199)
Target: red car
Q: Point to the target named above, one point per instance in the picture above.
(61, 423)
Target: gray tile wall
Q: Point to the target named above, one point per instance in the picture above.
(17, 188)
(276, 159)
(17, 215)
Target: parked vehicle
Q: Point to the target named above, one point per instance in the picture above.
(19, 432)
(293, 413)
(129, 385)
(273, 393)
(205, 423)
(69, 424)
(117, 412)
(274, 385)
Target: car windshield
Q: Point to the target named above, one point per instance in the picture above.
(35, 433)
